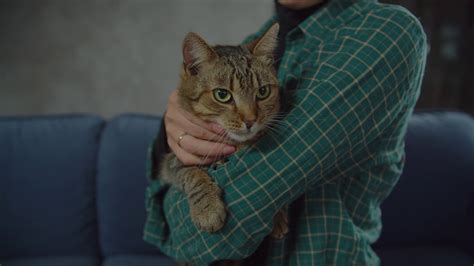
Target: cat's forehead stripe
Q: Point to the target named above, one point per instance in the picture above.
(256, 80)
(243, 75)
(241, 72)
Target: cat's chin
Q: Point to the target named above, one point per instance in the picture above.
(241, 138)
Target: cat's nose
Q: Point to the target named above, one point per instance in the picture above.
(249, 123)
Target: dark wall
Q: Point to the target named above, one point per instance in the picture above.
(115, 56)
(449, 78)
(107, 56)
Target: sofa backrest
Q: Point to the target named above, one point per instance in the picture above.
(121, 183)
(47, 195)
(73, 185)
(433, 202)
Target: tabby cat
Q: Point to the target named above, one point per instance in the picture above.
(236, 87)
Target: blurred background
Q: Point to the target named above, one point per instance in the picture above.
(110, 57)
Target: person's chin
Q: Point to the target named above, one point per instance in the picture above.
(298, 4)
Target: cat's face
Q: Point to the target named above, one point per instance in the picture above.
(234, 86)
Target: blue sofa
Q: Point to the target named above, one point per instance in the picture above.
(72, 192)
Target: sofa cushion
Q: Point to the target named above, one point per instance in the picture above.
(424, 256)
(47, 185)
(122, 182)
(433, 202)
(144, 260)
(51, 261)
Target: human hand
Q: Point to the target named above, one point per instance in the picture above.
(201, 142)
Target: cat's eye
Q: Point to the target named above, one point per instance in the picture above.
(222, 95)
(263, 92)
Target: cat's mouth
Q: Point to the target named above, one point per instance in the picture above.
(241, 135)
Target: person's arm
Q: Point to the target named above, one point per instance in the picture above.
(360, 86)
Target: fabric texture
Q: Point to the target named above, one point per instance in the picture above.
(353, 71)
(52, 261)
(47, 185)
(142, 260)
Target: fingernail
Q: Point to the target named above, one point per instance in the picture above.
(229, 149)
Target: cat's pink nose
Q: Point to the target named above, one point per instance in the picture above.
(249, 123)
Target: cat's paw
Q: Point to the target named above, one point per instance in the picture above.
(208, 211)
(280, 225)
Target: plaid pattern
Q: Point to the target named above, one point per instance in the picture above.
(353, 71)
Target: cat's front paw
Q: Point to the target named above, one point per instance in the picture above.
(208, 211)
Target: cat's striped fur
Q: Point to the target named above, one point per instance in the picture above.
(209, 75)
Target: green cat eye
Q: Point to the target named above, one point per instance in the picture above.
(222, 95)
(263, 92)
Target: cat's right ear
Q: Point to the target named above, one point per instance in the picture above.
(195, 52)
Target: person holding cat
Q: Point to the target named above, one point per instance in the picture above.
(350, 72)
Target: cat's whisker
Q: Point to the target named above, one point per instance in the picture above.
(218, 140)
(274, 132)
(204, 158)
(219, 137)
(220, 155)
(292, 117)
(274, 129)
(277, 124)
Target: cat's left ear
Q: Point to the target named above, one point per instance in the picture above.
(266, 45)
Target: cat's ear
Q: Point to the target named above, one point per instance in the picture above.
(195, 52)
(265, 45)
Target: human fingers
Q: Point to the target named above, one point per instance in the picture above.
(196, 146)
(187, 158)
(205, 148)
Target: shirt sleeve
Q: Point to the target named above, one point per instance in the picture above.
(350, 91)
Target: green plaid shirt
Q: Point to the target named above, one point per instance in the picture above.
(353, 71)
